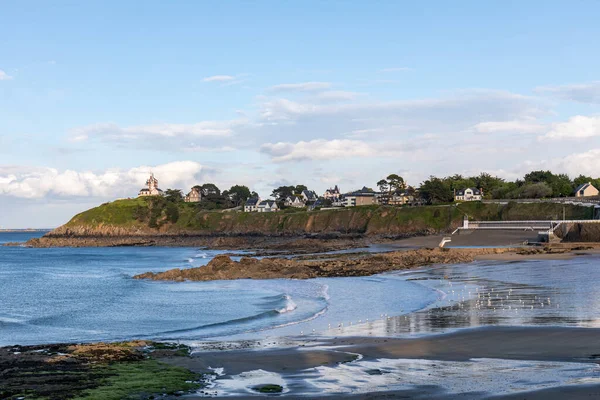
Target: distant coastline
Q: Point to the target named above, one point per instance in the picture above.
(26, 230)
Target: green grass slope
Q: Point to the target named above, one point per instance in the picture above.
(157, 216)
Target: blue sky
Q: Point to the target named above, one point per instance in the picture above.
(94, 95)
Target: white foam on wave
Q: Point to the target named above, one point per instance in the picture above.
(325, 292)
(201, 255)
(289, 305)
(11, 320)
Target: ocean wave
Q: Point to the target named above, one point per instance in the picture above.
(237, 321)
(289, 305)
(11, 321)
(325, 292)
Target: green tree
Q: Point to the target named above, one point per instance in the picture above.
(537, 190)
(436, 190)
(396, 182)
(488, 183)
(238, 194)
(210, 190)
(383, 185)
(282, 192)
(299, 189)
(172, 212)
(174, 195)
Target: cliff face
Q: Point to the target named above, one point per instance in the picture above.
(573, 232)
(122, 219)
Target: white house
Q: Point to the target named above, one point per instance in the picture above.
(332, 194)
(267, 206)
(309, 196)
(468, 194)
(294, 201)
(251, 204)
(152, 189)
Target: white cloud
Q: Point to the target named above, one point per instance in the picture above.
(219, 78)
(509, 126)
(460, 109)
(585, 163)
(582, 93)
(577, 127)
(37, 183)
(319, 149)
(113, 132)
(301, 87)
(337, 95)
(4, 76)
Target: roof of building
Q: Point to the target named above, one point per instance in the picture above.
(364, 192)
(252, 201)
(266, 203)
(310, 194)
(461, 192)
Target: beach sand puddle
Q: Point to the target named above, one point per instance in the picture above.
(475, 378)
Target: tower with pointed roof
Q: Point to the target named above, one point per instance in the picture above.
(152, 188)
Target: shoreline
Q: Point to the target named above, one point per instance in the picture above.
(314, 366)
(450, 351)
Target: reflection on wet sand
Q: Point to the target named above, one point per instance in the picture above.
(528, 331)
(549, 292)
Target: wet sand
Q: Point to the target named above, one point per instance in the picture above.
(469, 345)
(547, 344)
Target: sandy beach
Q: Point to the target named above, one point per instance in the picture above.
(531, 344)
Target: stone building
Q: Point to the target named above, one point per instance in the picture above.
(152, 189)
(194, 196)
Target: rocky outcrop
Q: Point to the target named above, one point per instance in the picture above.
(574, 232)
(258, 245)
(224, 268)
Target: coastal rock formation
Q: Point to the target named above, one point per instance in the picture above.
(125, 223)
(224, 268)
(574, 232)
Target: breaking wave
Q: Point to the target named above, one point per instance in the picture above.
(289, 305)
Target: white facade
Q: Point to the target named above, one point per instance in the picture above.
(469, 194)
(267, 206)
(309, 195)
(152, 189)
(294, 201)
(251, 205)
(332, 193)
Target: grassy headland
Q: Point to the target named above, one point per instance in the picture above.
(155, 216)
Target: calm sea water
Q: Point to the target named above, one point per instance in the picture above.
(87, 294)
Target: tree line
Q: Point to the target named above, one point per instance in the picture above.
(534, 185)
(212, 197)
